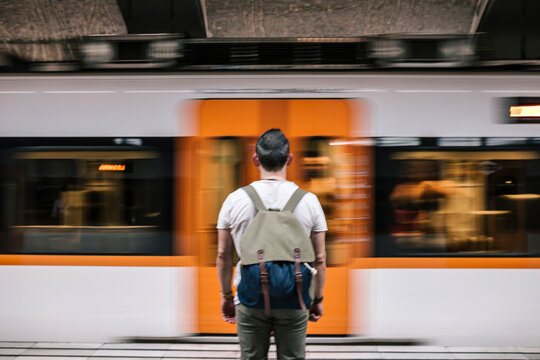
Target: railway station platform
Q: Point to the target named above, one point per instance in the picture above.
(230, 350)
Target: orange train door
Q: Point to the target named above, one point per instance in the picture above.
(326, 162)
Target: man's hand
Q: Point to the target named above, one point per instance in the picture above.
(315, 312)
(228, 311)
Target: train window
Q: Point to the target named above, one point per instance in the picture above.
(339, 176)
(475, 202)
(87, 201)
(319, 162)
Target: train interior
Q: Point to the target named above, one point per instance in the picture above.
(88, 199)
(457, 201)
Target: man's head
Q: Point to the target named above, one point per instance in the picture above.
(272, 149)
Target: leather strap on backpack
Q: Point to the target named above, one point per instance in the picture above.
(264, 283)
(298, 278)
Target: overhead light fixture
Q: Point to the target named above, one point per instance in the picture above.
(398, 141)
(522, 196)
(134, 141)
(502, 141)
(489, 212)
(164, 50)
(360, 142)
(459, 141)
(389, 49)
(456, 49)
(97, 52)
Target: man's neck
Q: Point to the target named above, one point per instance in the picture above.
(273, 175)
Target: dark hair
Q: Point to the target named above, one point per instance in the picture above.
(272, 149)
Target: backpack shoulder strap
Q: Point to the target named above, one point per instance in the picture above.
(294, 200)
(254, 197)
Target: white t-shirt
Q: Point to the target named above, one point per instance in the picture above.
(238, 210)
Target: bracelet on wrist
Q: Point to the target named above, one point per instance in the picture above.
(227, 295)
(318, 300)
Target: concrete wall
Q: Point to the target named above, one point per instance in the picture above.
(336, 18)
(32, 20)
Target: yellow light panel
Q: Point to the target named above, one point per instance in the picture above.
(525, 111)
(522, 196)
(112, 167)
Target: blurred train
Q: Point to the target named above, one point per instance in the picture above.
(110, 187)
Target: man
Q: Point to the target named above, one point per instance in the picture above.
(254, 327)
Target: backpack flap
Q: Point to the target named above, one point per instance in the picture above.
(277, 234)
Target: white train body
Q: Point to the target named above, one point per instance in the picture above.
(461, 306)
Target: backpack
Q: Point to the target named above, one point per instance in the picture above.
(274, 255)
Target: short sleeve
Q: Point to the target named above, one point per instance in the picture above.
(224, 217)
(317, 214)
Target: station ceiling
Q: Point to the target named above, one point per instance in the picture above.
(510, 24)
(299, 18)
(336, 18)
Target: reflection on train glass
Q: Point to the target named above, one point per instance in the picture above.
(330, 169)
(85, 201)
(223, 168)
(318, 167)
(464, 202)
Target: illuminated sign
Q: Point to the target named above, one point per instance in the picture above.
(112, 167)
(527, 111)
(520, 110)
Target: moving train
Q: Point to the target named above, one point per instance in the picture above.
(111, 184)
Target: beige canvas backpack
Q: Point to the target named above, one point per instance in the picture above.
(275, 251)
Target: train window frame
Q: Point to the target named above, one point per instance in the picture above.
(386, 173)
(100, 239)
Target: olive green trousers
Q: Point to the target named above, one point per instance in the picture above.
(254, 330)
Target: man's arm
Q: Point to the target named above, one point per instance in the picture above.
(224, 264)
(317, 239)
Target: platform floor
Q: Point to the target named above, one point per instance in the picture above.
(141, 351)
